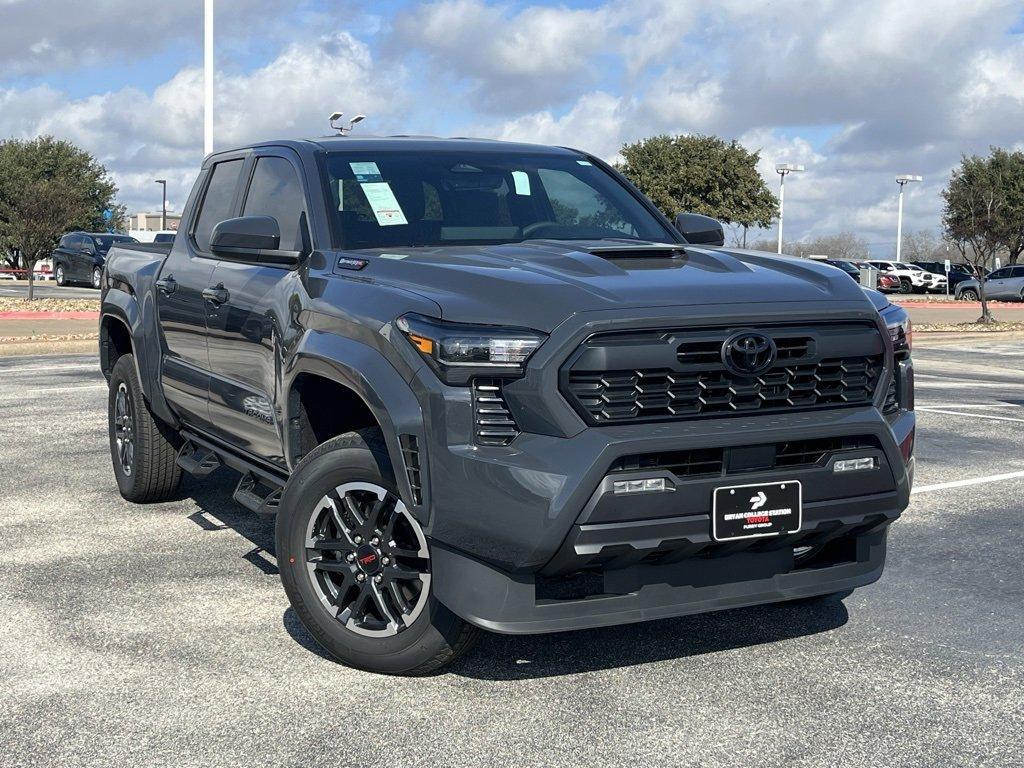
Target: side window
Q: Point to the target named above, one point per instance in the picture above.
(216, 205)
(999, 274)
(576, 203)
(1017, 272)
(275, 191)
(67, 242)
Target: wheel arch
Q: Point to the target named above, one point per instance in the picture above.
(368, 387)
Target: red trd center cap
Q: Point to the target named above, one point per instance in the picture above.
(368, 559)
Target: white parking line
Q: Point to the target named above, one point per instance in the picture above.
(76, 388)
(962, 406)
(972, 415)
(972, 481)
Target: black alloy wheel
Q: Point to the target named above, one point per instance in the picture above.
(368, 559)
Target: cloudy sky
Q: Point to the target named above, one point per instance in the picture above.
(857, 91)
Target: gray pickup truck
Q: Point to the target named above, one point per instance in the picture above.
(483, 385)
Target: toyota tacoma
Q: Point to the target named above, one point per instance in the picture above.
(489, 386)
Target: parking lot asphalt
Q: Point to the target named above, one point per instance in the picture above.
(159, 635)
(47, 289)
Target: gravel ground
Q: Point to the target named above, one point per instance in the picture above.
(159, 635)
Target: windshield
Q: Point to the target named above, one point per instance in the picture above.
(407, 199)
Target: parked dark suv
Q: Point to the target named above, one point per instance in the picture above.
(79, 257)
(482, 385)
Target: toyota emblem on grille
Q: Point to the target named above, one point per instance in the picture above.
(747, 353)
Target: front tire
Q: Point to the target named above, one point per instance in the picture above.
(58, 275)
(356, 565)
(97, 277)
(141, 448)
(906, 286)
(968, 294)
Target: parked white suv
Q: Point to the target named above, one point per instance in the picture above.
(913, 279)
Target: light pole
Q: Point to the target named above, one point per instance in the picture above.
(903, 178)
(163, 209)
(782, 169)
(208, 77)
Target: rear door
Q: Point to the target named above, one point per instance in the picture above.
(1015, 284)
(83, 259)
(63, 253)
(995, 285)
(246, 330)
(186, 273)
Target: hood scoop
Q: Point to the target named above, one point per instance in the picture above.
(644, 251)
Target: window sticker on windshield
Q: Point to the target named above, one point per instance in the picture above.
(366, 172)
(385, 206)
(522, 182)
(583, 162)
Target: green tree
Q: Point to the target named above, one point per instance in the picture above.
(975, 215)
(47, 187)
(701, 174)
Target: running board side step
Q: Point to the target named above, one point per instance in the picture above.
(197, 460)
(258, 495)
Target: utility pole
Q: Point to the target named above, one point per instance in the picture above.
(902, 179)
(782, 169)
(163, 209)
(208, 78)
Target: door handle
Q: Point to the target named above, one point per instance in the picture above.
(218, 294)
(167, 285)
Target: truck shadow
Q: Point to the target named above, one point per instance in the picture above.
(524, 657)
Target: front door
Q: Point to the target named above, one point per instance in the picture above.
(247, 328)
(182, 308)
(995, 286)
(83, 259)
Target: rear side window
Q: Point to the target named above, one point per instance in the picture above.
(1017, 272)
(216, 206)
(275, 191)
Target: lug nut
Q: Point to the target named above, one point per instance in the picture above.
(351, 557)
(377, 579)
(375, 541)
(360, 577)
(386, 560)
(358, 539)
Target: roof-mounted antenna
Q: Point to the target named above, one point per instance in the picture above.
(344, 129)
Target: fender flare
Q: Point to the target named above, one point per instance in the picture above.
(383, 390)
(121, 306)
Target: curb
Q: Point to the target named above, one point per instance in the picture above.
(21, 314)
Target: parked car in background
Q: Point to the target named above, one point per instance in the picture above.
(164, 237)
(1004, 284)
(888, 283)
(43, 270)
(912, 278)
(847, 266)
(956, 275)
(79, 257)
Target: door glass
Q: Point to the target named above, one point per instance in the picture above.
(220, 193)
(275, 191)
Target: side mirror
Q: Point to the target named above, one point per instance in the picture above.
(700, 230)
(251, 238)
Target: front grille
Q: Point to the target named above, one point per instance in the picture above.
(673, 375)
(493, 423)
(792, 454)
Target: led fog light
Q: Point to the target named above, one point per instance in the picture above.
(638, 486)
(853, 465)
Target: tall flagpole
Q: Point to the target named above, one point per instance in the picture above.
(208, 78)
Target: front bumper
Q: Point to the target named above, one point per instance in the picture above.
(512, 604)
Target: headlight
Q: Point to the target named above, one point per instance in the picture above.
(458, 351)
(901, 330)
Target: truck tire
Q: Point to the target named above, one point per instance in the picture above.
(906, 286)
(356, 566)
(141, 447)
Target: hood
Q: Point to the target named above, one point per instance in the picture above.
(538, 284)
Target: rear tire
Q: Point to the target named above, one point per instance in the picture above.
(141, 447)
(343, 497)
